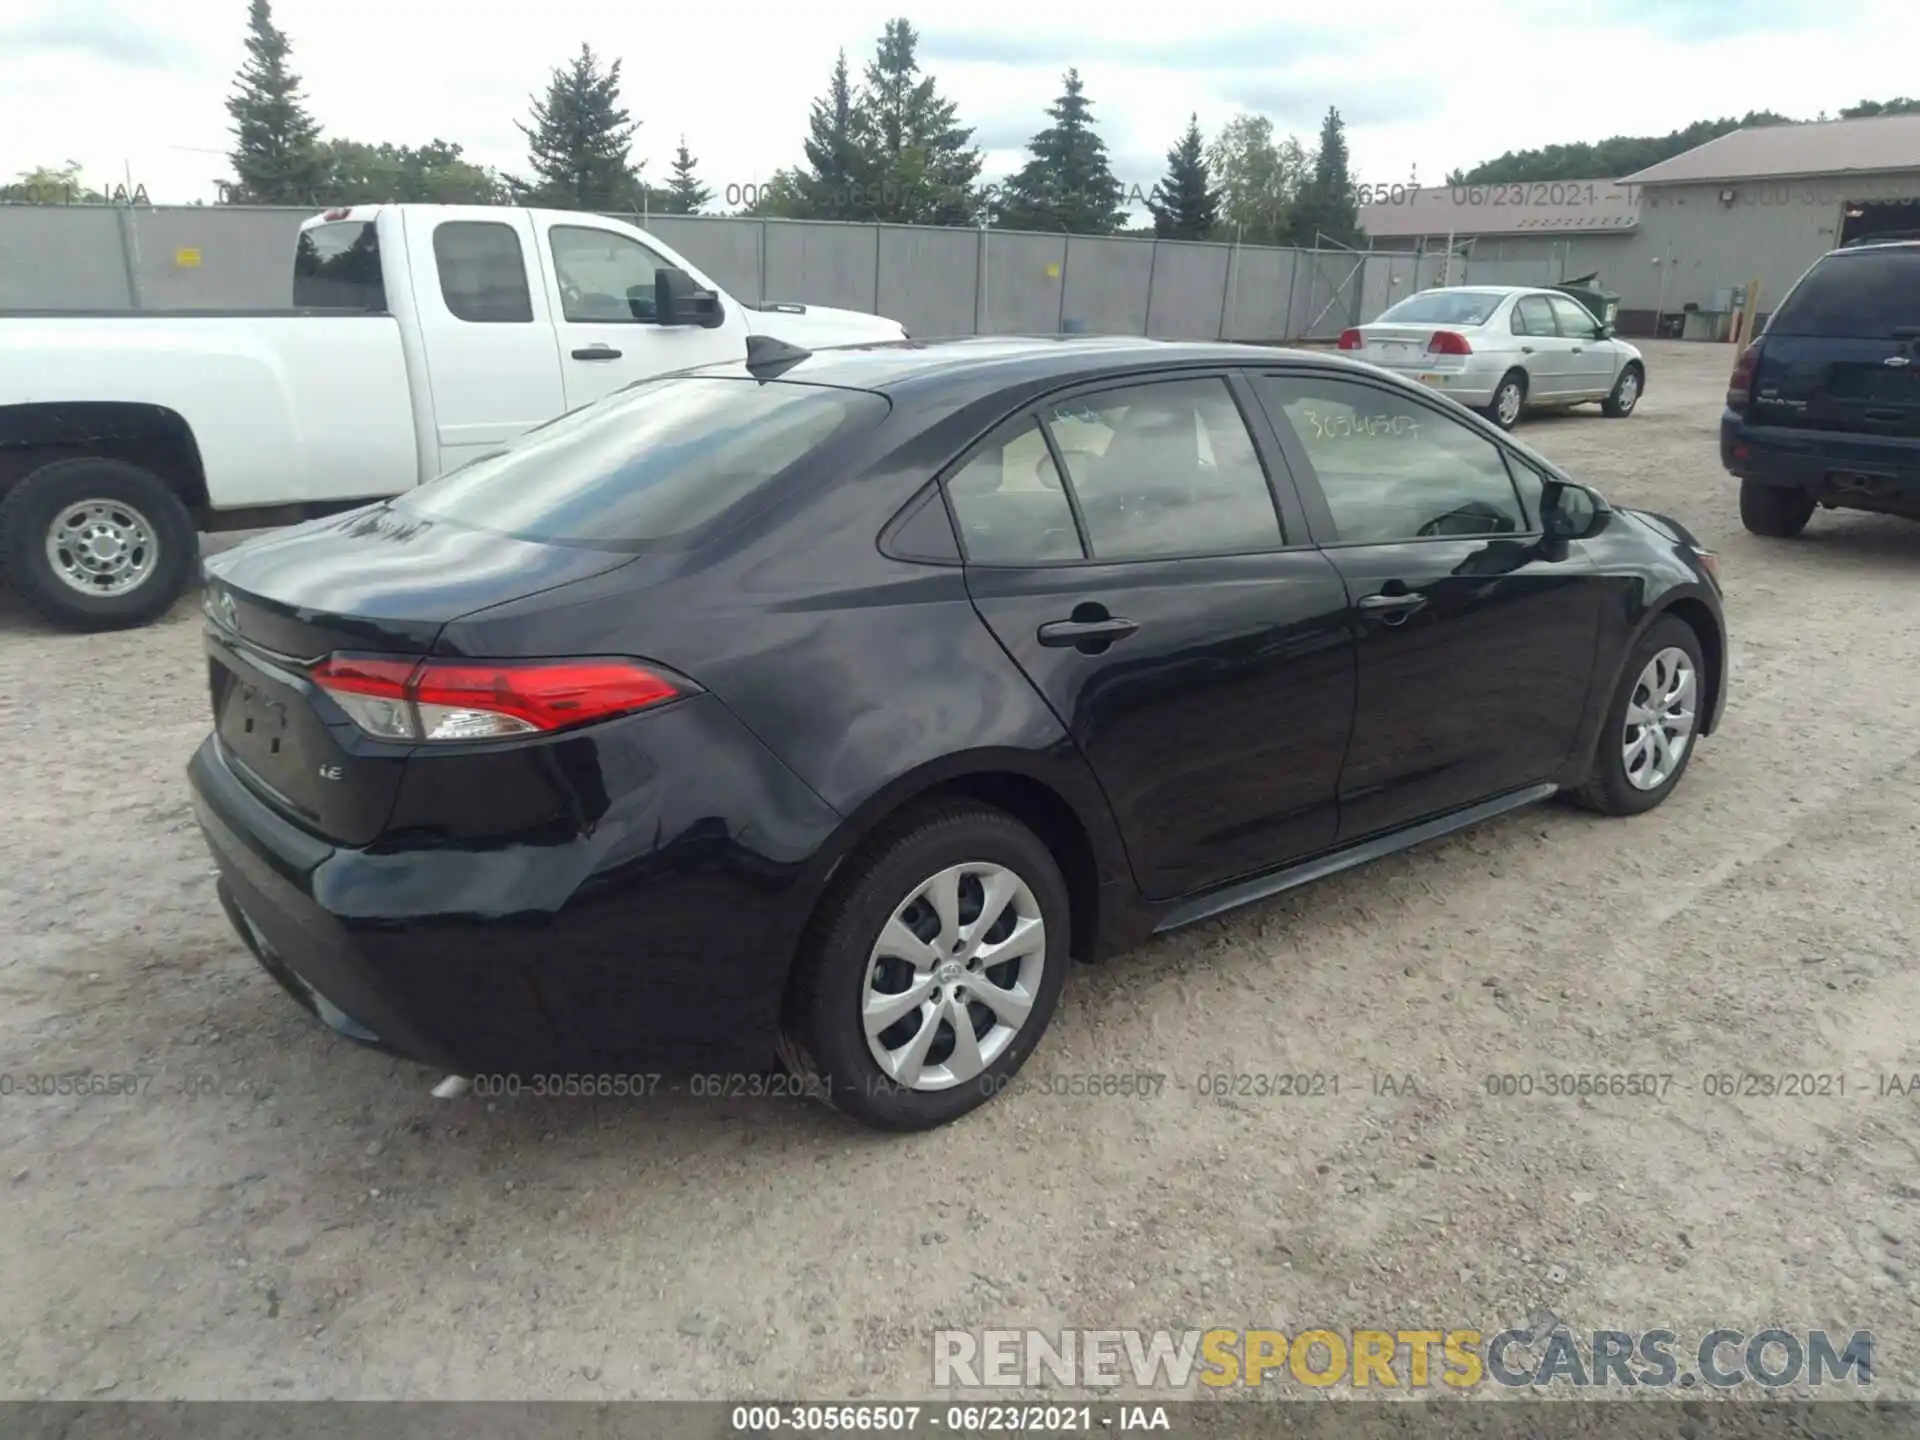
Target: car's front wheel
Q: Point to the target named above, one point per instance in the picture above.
(1625, 394)
(1774, 510)
(931, 971)
(1652, 721)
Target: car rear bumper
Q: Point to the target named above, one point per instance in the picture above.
(1825, 464)
(658, 934)
(1471, 385)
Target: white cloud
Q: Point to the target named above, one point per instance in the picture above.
(125, 88)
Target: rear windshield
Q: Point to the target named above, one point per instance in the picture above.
(337, 267)
(1866, 295)
(645, 464)
(1444, 307)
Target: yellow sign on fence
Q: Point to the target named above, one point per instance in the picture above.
(188, 259)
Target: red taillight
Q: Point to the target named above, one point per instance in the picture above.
(1740, 383)
(485, 700)
(1448, 342)
(1352, 340)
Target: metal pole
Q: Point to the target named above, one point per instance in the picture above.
(1066, 253)
(986, 277)
(878, 235)
(1153, 261)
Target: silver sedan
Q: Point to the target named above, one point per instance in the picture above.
(1504, 348)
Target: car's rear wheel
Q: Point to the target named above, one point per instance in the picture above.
(1509, 399)
(931, 971)
(1648, 735)
(1626, 393)
(1774, 510)
(96, 544)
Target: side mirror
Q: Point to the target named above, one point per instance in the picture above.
(677, 300)
(1606, 332)
(1566, 511)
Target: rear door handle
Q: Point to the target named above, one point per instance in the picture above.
(1526, 349)
(1390, 607)
(1578, 351)
(1061, 633)
(597, 352)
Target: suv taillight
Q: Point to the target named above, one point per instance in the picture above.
(1448, 342)
(450, 700)
(1740, 383)
(1352, 340)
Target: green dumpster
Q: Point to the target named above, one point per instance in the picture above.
(1601, 302)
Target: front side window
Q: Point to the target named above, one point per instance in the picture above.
(603, 276)
(646, 464)
(1391, 468)
(1166, 468)
(483, 275)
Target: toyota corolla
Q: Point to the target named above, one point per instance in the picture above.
(821, 709)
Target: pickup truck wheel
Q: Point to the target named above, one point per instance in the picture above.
(96, 544)
(1774, 510)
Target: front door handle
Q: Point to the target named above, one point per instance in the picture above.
(1526, 349)
(1578, 351)
(1061, 633)
(1391, 608)
(597, 352)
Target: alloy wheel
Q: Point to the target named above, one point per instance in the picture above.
(1629, 392)
(953, 977)
(1507, 403)
(1660, 719)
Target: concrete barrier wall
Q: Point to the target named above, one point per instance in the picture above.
(934, 281)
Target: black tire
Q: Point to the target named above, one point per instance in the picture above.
(33, 507)
(1774, 510)
(1607, 789)
(1515, 380)
(822, 1040)
(1618, 406)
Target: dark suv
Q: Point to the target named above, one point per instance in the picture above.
(1824, 406)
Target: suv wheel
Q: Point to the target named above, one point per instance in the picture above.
(930, 974)
(1773, 509)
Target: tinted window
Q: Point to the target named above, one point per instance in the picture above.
(1576, 321)
(483, 275)
(1165, 469)
(337, 266)
(603, 275)
(1010, 504)
(1866, 295)
(646, 463)
(1533, 316)
(1391, 468)
(1444, 307)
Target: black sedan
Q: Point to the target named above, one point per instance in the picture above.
(824, 708)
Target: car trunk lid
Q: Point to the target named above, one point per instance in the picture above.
(374, 581)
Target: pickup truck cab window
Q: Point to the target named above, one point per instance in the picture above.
(337, 267)
(603, 276)
(483, 276)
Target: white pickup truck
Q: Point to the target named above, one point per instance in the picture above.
(420, 336)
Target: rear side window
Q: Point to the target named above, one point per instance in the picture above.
(645, 464)
(1867, 295)
(1011, 505)
(483, 275)
(337, 267)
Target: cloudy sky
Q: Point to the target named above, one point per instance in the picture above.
(126, 87)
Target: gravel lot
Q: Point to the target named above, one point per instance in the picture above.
(314, 1224)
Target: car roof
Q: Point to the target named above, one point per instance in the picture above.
(991, 361)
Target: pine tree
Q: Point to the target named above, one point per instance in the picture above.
(580, 141)
(838, 180)
(1185, 205)
(685, 194)
(1327, 210)
(928, 168)
(276, 155)
(1067, 185)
